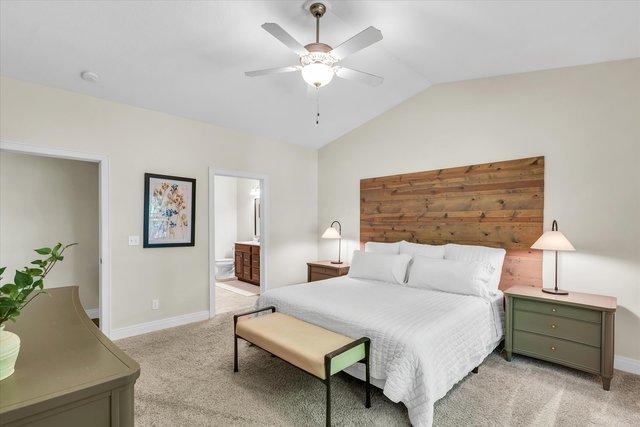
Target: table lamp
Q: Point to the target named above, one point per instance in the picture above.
(553, 241)
(332, 233)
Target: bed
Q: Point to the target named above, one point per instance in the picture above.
(423, 342)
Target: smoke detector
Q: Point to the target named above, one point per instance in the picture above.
(89, 76)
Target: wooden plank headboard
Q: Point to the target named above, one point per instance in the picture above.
(493, 204)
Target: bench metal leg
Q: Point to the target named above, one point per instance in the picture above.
(367, 384)
(327, 382)
(235, 353)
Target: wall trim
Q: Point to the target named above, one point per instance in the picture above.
(157, 325)
(626, 364)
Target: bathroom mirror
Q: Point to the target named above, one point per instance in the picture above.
(256, 217)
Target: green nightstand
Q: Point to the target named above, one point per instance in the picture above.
(575, 330)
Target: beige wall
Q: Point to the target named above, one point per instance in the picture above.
(138, 141)
(233, 213)
(245, 208)
(44, 201)
(226, 215)
(585, 120)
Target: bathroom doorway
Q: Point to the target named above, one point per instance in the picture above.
(237, 249)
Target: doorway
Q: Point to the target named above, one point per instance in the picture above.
(237, 241)
(83, 217)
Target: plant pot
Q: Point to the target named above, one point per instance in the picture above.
(9, 349)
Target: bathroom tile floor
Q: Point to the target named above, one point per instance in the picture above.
(227, 301)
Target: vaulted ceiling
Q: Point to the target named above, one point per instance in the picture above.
(188, 58)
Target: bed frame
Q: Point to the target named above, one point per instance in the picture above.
(493, 204)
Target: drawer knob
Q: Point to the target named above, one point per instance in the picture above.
(554, 309)
(553, 326)
(553, 348)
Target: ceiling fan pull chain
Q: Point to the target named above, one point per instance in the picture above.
(317, 105)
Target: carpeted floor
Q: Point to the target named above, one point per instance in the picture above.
(187, 379)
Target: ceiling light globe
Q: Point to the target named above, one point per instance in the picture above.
(317, 74)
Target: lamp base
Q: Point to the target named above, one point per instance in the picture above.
(555, 291)
(337, 262)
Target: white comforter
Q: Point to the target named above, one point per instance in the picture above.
(422, 342)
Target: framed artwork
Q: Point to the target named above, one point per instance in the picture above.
(169, 211)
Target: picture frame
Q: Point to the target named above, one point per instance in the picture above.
(169, 211)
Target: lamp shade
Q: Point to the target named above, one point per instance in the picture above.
(331, 233)
(553, 241)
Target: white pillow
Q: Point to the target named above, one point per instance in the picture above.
(492, 256)
(389, 268)
(382, 248)
(431, 251)
(458, 277)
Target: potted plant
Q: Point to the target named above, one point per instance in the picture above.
(27, 285)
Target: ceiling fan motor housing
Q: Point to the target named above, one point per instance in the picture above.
(317, 9)
(318, 53)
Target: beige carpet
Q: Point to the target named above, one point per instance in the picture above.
(187, 379)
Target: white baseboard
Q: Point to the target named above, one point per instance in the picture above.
(627, 364)
(93, 313)
(156, 325)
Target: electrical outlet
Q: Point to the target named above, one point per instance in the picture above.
(155, 304)
(134, 240)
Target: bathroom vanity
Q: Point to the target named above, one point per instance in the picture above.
(248, 262)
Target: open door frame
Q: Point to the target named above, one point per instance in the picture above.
(104, 261)
(264, 228)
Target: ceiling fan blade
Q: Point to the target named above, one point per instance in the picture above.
(361, 76)
(364, 38)
(279, 70)
(278, 32)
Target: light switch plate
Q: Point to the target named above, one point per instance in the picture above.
(134, 240)
(155, 304)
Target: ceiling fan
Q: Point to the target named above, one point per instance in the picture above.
(319, 61)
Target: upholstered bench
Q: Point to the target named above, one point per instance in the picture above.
(313, 349)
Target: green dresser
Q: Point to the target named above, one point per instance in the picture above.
(68, 374)
(575, 330)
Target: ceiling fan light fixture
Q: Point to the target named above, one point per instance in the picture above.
(317, 74)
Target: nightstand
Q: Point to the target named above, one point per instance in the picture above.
(321, 270)
(575, 330)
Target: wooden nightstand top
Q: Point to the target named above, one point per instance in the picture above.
(600, 302)
(328, 264)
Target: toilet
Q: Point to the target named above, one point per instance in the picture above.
(225, 268)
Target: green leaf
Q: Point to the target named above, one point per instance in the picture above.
(59, 258)
(43, 251)
(57, 247)
(2, 269)
(22, 279)
(38, 283)
(39, 262)
(7, 289)
(34, 271)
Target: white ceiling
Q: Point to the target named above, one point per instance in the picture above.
(189, 58)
